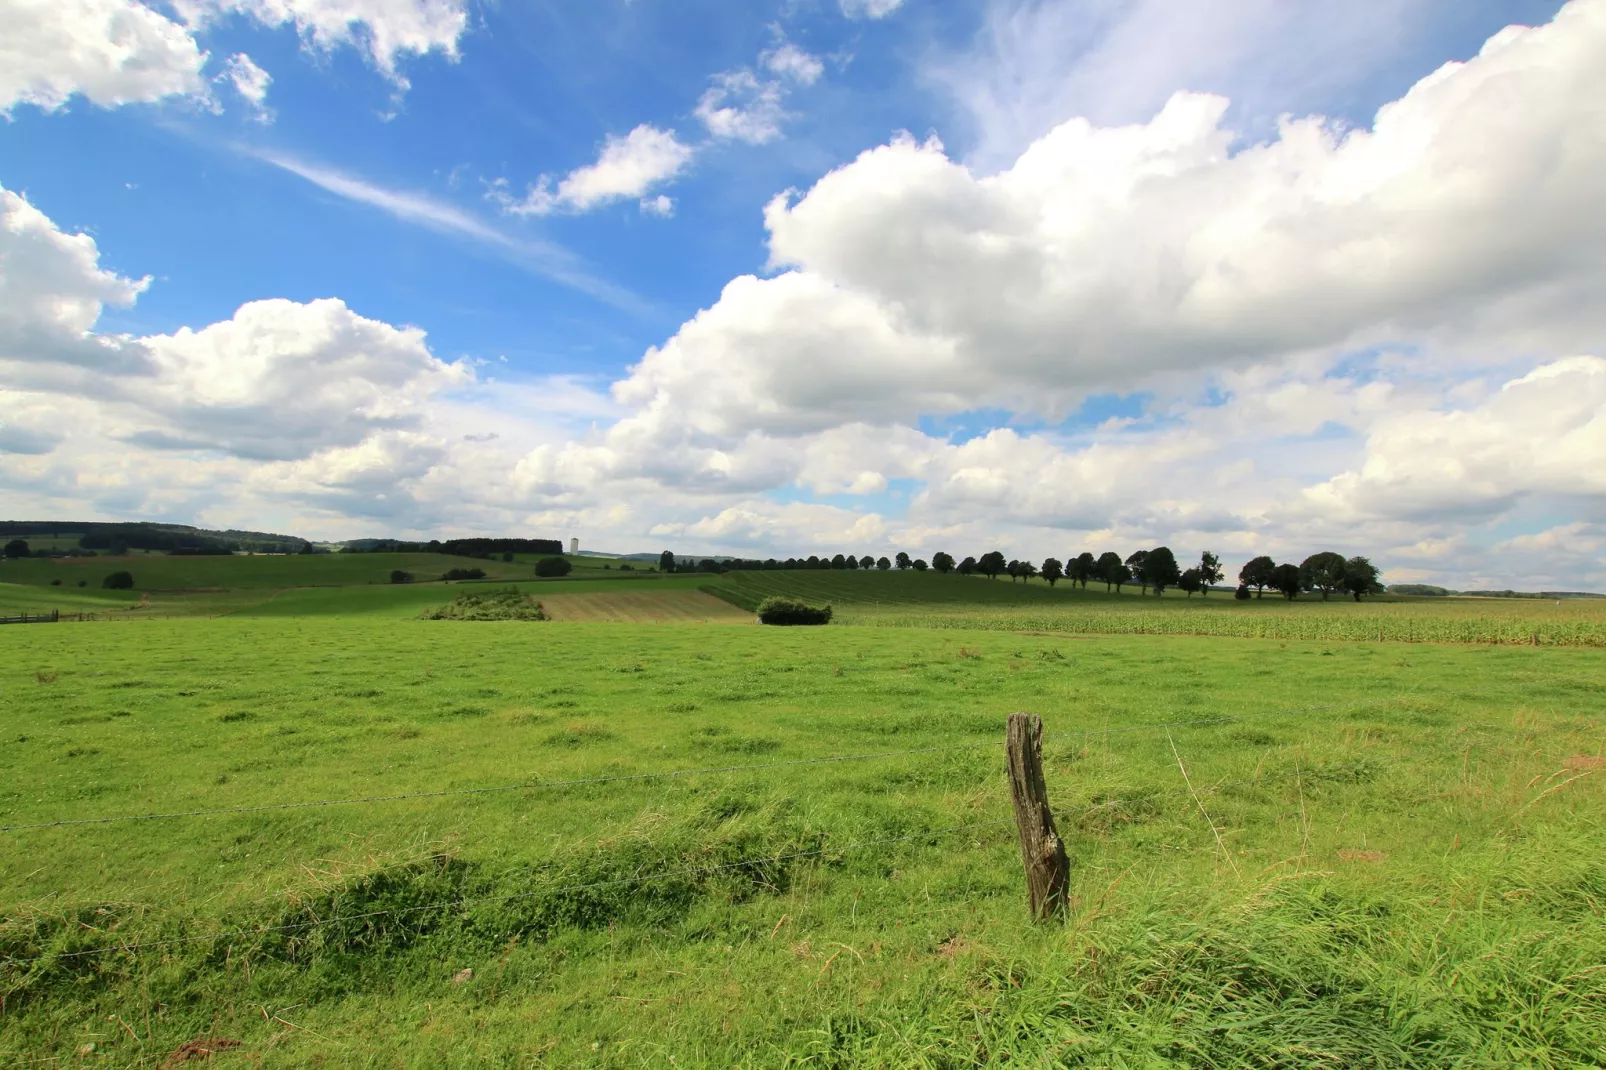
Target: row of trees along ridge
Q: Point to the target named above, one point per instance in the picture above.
(1155, 569)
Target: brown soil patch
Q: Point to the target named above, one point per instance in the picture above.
(1586, 761)
(643, 607)
(199, 1048)
(953, 946)
(1352, 854)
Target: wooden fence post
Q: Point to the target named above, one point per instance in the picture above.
(1048, 870)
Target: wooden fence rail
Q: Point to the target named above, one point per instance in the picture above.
(34, 618)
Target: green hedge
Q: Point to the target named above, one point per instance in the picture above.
(791, 611)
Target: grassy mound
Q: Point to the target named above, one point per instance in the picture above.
(504, 603)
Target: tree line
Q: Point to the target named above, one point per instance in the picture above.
(1156, 569)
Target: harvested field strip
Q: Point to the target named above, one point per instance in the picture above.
(644, 607)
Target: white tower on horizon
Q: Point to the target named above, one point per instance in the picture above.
(574, 546)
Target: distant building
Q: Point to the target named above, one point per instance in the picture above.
(574, 546)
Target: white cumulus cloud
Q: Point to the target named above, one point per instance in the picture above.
(1541, 434)
(251, 82)
(385, 31)
(112, 52)
(52, 290)
(869, 9)
(625, 169)
(1110, 258)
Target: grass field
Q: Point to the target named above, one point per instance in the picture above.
(1390, 854)
(927, 600)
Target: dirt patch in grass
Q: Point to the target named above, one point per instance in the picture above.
(644, 607)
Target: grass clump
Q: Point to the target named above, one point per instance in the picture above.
(791, 611)
(505, 603)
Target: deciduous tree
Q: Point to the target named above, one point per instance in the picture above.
(1361, 577)
(1052, 570)
(883, 564)
(1322, 572)
(992, 564)
(1134, 565)
(1160, 569)
(903, 560)
(1191, 580)
(920, 564)
(1285, 578)
(967, 566)
(1087, 567)
(666, 562)
(1258, 574)
(867, 562)
(1209, 571)
(942, 562)
(1109, 568)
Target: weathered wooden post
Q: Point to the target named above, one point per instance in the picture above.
(1048, 870)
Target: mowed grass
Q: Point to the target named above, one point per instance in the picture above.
(1388, 855)
(929, 600)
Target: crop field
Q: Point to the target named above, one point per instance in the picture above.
(1286, 853)
(642, 606)
(928, 600)
(155, 572)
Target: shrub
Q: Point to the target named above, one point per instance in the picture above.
(463, 574)
(398, 576)
(791, 611)
(550, 567)
(83, 583)
(55, 583)
(119, 581)
(1242, 593)
(509, 603)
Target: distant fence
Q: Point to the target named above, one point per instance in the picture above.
(34, 618)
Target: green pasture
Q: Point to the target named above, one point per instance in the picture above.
(160, 572)
(928, 600)
(1287, 853)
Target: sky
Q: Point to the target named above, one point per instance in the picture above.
(783, 277)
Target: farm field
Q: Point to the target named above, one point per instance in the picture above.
(928, 600)
(159, 572)
(1285, 852)
(642, 606)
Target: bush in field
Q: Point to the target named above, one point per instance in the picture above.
(398, 576)
(463, 574)
(791, 611)
(1242, 593)
(119, 581)
(508, 603)
(553, 567)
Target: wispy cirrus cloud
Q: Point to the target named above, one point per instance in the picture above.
(544, 258)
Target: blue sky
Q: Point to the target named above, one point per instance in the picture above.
(865, 388)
